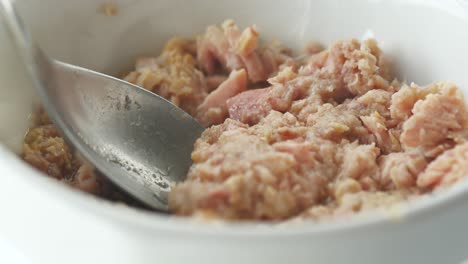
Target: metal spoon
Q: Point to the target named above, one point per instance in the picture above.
(139, 140)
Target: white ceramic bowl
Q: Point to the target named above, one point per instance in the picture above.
(50, 223)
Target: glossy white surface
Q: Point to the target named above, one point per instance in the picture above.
(51, 224)
(9, 254)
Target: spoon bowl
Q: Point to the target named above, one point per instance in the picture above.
(137, 139)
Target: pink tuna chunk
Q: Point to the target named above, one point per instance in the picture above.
(214, 110)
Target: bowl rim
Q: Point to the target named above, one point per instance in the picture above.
(143, 219)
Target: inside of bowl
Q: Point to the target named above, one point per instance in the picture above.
(425, 39)
(16, 95)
